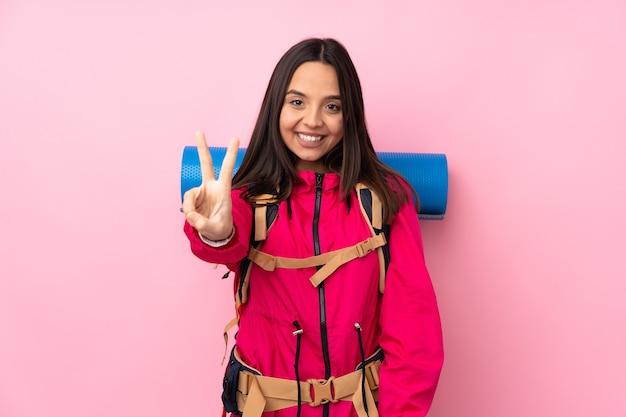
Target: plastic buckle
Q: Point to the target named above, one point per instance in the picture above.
(322, 391)
(371, 376)
(245, 382)
(363, 248)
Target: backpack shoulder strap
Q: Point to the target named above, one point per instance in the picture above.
(265, 209)
(372, 210)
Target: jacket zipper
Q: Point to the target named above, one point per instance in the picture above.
(321, 292)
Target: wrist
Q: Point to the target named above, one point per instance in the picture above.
(217, 243)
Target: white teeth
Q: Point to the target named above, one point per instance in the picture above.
(308, 138)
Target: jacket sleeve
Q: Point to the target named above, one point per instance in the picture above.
(411, 335)
(235, 250)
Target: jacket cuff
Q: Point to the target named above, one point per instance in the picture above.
(217, 243)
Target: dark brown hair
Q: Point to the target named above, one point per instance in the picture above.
(268, 164)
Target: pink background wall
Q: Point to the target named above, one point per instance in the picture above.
(105, 312)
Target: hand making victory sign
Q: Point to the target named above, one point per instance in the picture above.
(208, 207)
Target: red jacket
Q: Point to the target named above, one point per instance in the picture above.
(404, 321)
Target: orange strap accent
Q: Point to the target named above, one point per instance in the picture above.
(331, 260)
(260, 228)
(377, 208)
(260, 203)
(228, 326)
(376, 223)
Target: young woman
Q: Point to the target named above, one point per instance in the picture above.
(306, 329)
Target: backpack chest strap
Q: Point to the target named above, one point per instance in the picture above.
(330, 260)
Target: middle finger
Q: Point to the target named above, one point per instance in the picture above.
(206, 162)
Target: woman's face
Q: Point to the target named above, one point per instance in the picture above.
(311, 119)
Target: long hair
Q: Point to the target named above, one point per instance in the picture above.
(268, 165)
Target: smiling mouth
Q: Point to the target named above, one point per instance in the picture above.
(309, 138)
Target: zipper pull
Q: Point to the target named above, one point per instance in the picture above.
(318, 179)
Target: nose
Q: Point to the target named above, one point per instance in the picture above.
(313, 117)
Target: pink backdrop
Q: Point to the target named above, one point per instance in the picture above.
(105, 312)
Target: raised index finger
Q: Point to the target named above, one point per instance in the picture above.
(206, 162)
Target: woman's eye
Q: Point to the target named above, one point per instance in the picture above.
(296, 102)
(333, 107)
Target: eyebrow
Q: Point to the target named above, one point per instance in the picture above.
(298, 93)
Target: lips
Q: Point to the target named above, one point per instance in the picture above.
(310, 138)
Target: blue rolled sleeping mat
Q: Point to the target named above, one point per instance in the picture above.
(426, 172)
